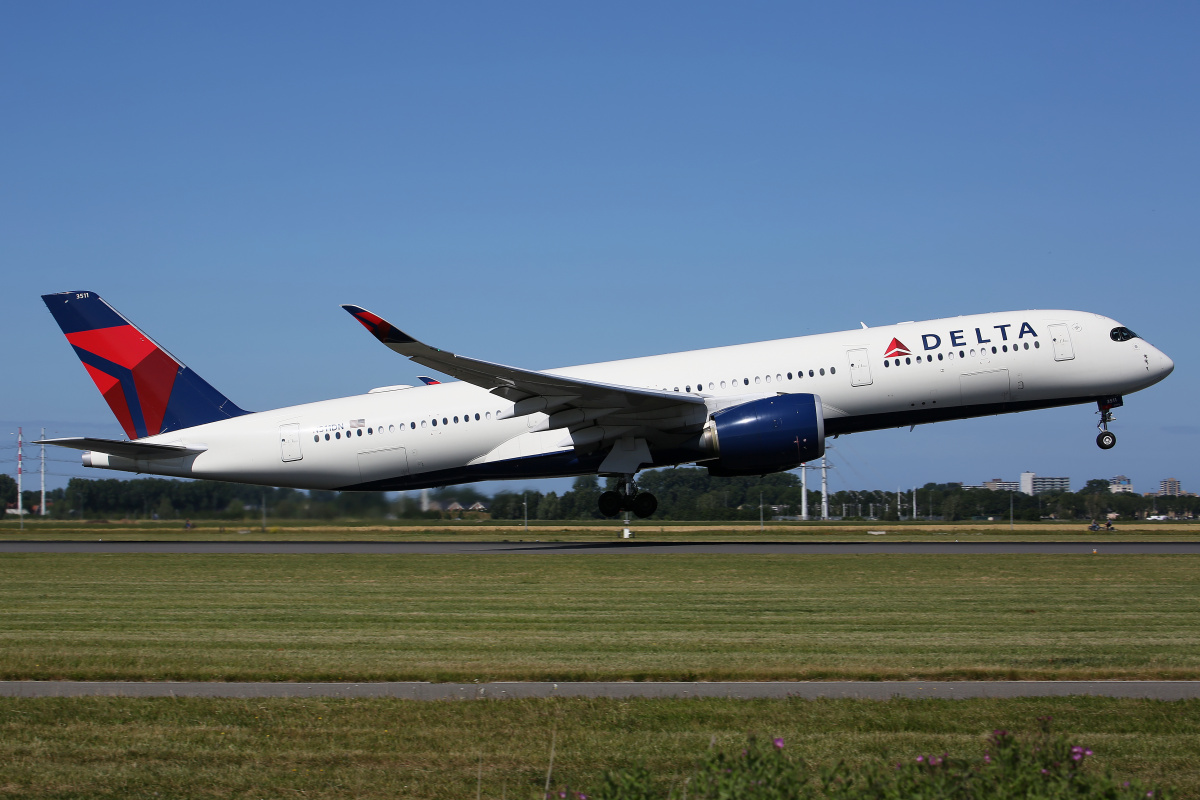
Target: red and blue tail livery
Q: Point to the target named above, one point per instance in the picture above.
(148, 390)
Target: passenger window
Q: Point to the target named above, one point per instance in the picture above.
(688, 388)
(963, 354)
(908, 361)
(722, 384)
(993, 349)
(316, 438)
(488, 415)
(424, 423)
(939, 356)
(327, 437)
(822, 370)
(477, 416)
(337, 435)
(833, 370)
(789, 376)
(886, 363)
(746, 381)
(360, 431)
(918, 359)
(1037, 344)
(810, 373)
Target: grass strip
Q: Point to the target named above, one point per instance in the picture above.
(672, 617)
(580, 531)
(122, 748)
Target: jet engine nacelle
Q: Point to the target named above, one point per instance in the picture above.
(763, 436)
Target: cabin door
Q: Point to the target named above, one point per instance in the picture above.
(1063, 350)
(860, 367)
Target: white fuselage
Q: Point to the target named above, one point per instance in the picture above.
(411, 437)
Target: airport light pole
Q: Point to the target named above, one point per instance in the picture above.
(20, 465)
(824, 488)
(804, 491)
(42, 507)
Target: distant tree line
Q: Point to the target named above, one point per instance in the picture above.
(683, 494)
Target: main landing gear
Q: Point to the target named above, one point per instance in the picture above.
(1106, 439)
(626, 497)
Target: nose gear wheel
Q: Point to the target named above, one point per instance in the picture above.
(1106, 439)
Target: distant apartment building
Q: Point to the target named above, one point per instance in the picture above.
(1029, 483)
(1169, 488)
(1120, 485)
(1032, 484)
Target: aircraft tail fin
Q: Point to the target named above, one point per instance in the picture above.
(148, 389)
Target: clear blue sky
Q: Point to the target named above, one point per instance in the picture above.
(545, 184)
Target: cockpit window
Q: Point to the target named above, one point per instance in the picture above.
(1122, 334)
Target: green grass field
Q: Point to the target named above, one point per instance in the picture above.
(563, 617)
(123, 748)
(587, 531)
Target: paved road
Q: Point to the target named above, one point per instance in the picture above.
(602, 548)
(880, 690)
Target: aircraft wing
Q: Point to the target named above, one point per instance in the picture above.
(527, 387)
(116, 447)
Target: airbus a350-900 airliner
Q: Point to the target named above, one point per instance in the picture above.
(748, 409)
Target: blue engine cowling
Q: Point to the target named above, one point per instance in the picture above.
(769, 435)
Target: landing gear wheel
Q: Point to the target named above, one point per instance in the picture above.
(610, 504)
(1106, 440)
(645, 504)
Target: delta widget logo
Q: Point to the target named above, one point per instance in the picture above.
(896, 348)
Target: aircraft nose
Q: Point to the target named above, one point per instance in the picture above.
(1166, 365)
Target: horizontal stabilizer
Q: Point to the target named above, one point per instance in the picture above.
(136, 450)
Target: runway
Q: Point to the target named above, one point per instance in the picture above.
(619, 547)
(866, 690)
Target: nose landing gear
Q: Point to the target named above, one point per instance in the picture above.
(626, 497)
(1106, 439)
